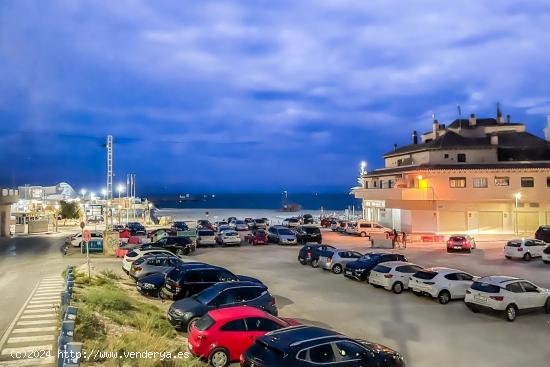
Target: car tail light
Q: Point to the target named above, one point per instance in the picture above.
(178, 287)
(497, 298)
(309, 254)
(449, 242)
(273, 301)
(138, 268)
(388, 276)
(464, 243)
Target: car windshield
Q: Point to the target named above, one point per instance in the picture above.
(230, 233)
(425, 274)
(132, 254)
(457, 238)
(240, 222)
(208, 294)
(259, 221)
(204, 323)
(259, 233)
(513, 244)
(140, 260)
(485, 287)
(285, 232)
(381, 269)
(293, 220)
(370, 256)
(312, 230)
(206, 233)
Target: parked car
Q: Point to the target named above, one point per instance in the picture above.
(507, 295)
(326, 222)
(118, 227)
(184, 312)
(150, 285)
(543, 233)
(281, 235)
(334, 225)
(307, 219)
(260, 223)
(204, 224)
(546, 255)
(184, 281)
(137, 253)
(76, 239)
(206, 237)
(136, 229)
(306, 346)
(309, 254)
(229, 332)
(257, 237)
(393, 275)
(336, 259)
(445, 284)
(220, 224)
(158, 231)
(308, 233)
(291, 222)
(177, 245)
(148, 265)
(525, 249)
(180, 226)
(365, 228)
(343, 225)
(240, 225)
(361, 268)
(228, 237)
(249, 222)
(231, 219)
(95, 219)
(461, 242)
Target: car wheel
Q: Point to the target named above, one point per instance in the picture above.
(444, 297)
(527, 257)
(314, 263)
(337, 269)
(397, 287)
(302, 261)
(418, 294)
(319, 242)
(219, 358)
(547, 306)
(511, 312)
(472, 308)
(546, 261)
(363, 234)
(365, 277)
(508, 257)
(190, 324)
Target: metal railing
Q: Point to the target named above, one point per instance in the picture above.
(69, 353)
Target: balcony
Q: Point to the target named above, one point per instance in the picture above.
(8, 196)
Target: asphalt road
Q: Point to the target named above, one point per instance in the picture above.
(425, 332)
(23, 262)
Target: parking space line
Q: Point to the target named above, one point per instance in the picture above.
(34, 329)
(37, 322)
(39, 310)
(49, 315)
(27, 339)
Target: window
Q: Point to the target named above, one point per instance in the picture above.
(322, 354)
(210, 276)
(446, 156)
(248, 293)
(527, 182)
(225, 276)
(528, 287)
(514, 287)
(547, 181)
(480, 182)
(261, 324)
(193, 277)
(349, 351)
(461, 157)
(452, 276)
(457, 182)
(235, 325)
(464, 276)
(502, 181)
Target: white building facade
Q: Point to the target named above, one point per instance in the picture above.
(474, 176)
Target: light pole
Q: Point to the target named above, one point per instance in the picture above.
(363, 167)
(56, 206)
(517, 197)
(120, 188)
(119, 213)
(150, 205)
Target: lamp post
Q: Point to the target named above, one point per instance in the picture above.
(517, 197)
(56, 206)
(363, 167)
(119, 189)
(119, 213)
(149, 206)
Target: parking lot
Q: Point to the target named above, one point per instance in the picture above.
(424, 331)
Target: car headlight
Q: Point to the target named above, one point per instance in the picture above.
(187, 315)
(148, 286)
(177, 312)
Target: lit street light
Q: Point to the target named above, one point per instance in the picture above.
(120, 188)
(104, 193)
(363, 167)
(83, 192)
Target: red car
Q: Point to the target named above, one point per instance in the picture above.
(326, 222)
(258, 237)
(222, 335)
(460, 242)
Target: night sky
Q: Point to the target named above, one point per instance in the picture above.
(246, 96)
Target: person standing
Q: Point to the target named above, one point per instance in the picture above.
(404, 239)
(394, 238)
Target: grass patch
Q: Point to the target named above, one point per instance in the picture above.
(112, 321)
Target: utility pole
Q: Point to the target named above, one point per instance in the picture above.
(109, 176)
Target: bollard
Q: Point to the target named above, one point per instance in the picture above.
(67, 328)
(69, 286)
(73, 354)
(65, 298)
(62, 342)
(70, 313)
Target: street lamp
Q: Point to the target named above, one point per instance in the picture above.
(56, 206)
(363, 167)
(517, 196)
(83, 192)
(120, 188)
(104, 193)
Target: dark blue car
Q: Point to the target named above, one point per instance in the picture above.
(361, 268)
(309, 254)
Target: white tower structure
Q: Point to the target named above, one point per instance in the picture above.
(109, 167)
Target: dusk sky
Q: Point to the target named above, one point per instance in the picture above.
(241, 96)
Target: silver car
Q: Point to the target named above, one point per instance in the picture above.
(153, 264)
(281, 235)
(241, 225)
(336, 259)
(206, 237)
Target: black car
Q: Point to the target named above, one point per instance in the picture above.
(177, 245)
(136, 229)
(307, 219)
(204, 224)
(184, 281)
(308, 233)
(182, 313)
(360, 269)
(150, 285)
(309, 254)
(313, 346)
(543, 233)
(180, 226)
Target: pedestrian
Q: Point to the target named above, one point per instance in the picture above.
(395, 238)
(404, 239)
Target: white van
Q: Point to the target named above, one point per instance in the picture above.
(365, 228)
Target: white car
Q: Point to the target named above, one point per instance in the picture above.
(76, 239)
(508, 295)
(240, 225)
(137, 253)
(291, 222)
(393, 275)
(546, 255)
(365, 228)
(444, 284)
(228, 237)
(525, 249)
(206, 237)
